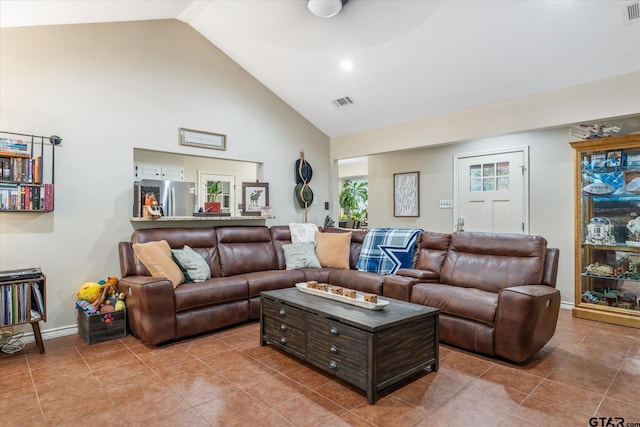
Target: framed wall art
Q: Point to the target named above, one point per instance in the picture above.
(255, 197)
(406, 194)
(198, 138)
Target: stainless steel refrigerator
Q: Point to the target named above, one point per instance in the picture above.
(175, 198)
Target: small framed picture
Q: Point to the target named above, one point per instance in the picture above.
(198, 138)
(614, 158)
(598, 160)
(255, 198)
(406, 194)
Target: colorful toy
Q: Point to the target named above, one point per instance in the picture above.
(89, 291)
(86, 306)
(107, 318)
(120, 305)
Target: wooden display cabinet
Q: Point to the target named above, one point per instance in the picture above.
(607, 211)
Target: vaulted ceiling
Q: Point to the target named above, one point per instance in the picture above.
(397, 60)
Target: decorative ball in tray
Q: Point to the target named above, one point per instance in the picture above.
(346, 295)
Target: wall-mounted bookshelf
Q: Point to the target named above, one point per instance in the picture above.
(27, 172)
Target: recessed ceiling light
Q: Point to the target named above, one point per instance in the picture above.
(325, 8)
(346, 65)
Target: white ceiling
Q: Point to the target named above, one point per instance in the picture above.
(411, 58)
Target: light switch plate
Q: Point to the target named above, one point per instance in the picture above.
(446, 204)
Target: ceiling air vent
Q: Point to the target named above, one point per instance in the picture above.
(631, 12)
(343, 102)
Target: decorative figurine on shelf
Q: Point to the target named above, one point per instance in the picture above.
(599, 270)
(633, 228)
(600, 232)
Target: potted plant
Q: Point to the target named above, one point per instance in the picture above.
(353, 201)
(214, 188)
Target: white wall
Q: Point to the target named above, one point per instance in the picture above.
(107, 89)
(539, 121)
(551, 187)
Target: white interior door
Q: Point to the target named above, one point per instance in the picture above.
(492, 192)
(227, 198)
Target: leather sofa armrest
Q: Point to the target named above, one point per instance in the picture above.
(526, 320)
(398, 287)
(418, 274)
(150, 307)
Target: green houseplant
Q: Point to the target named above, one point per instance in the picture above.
(353, 200)
(214, 189)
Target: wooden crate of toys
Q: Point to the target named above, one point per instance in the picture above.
(102, 315)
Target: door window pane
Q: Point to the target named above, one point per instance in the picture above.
(502, 168)
(475, 185)
(475, 171)
(488, 184)
(488, 169)
(502, 184)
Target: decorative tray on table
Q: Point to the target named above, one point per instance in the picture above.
(357, 301)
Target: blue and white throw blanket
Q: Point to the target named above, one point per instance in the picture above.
(386, 250)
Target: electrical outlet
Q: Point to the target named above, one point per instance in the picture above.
(446, 204)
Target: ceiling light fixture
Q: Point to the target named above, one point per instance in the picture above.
(325, 8)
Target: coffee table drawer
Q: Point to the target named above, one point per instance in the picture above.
(278, 310)
(338, 348)
(285, 334)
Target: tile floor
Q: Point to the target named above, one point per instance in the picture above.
(589, 369)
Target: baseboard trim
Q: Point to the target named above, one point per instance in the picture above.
(52, 333)
(566, 305)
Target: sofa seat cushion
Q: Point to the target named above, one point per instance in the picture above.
(210, 292)
(272, 279)
(467, 303)
(362, 281)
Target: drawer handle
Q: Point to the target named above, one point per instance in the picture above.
(334, 349)
(283, 341)
(283, 312)
(335, 331)
(333, 365)
(283, 327)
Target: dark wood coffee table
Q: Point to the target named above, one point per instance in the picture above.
(370, 349)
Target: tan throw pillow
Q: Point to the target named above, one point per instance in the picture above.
(156, 256)
(332, 249)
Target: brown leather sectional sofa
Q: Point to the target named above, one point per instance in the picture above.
(496, 292)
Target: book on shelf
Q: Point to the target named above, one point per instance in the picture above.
(48, 197)
(38, 302)
(13, 147)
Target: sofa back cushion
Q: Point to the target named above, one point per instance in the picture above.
(280, 236)
(245, 249)
(492, 261)
(201, 240)
(432, 251)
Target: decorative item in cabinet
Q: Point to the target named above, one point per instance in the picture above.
(607, 229)
(27, 172)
